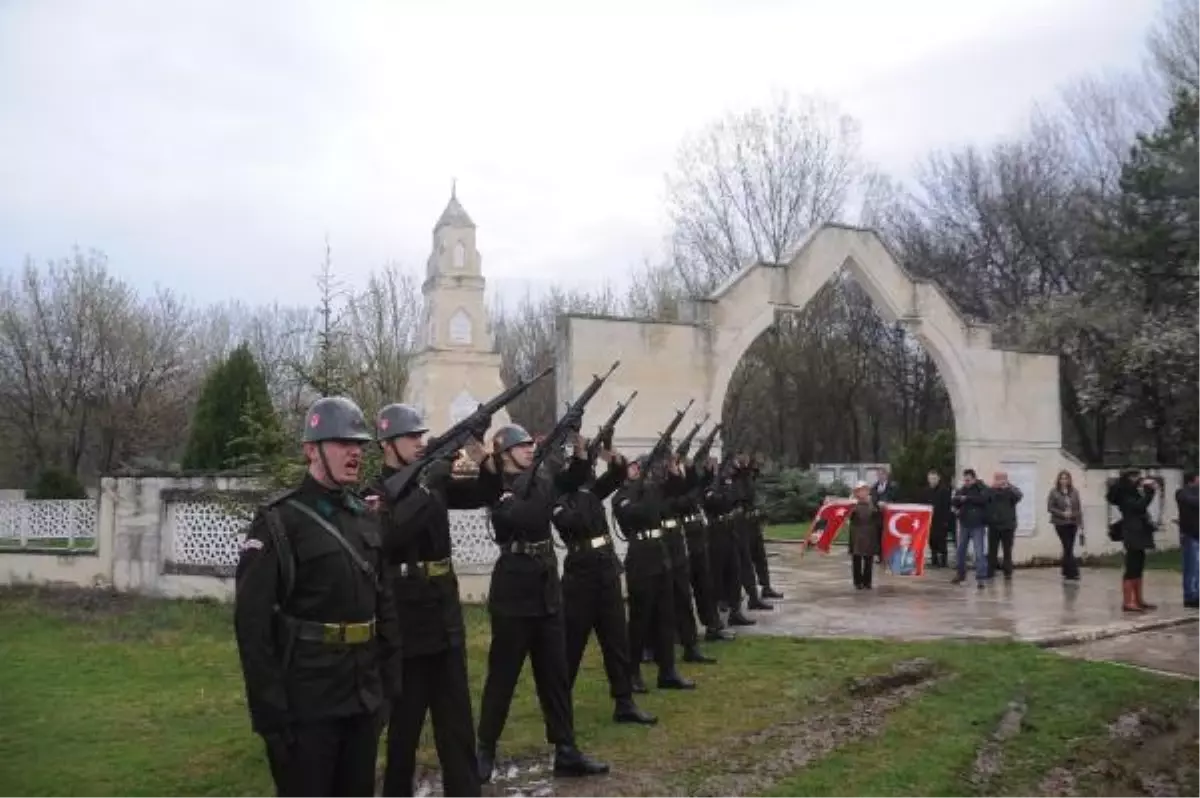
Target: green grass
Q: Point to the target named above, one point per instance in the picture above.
(137, 697)
(86, 544)
(787, 531)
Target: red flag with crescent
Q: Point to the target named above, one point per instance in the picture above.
(905, 537)
(831, 517)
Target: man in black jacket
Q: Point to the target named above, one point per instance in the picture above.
(1188, 500)
(314, 619)
(416, 542)
(525, 603)
(937, 495)
(970, 502)
(1003, 499)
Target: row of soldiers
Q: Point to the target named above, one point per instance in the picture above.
(347, 609)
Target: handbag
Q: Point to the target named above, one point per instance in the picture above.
(1116, 532)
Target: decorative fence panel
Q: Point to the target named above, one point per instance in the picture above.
(49, 521)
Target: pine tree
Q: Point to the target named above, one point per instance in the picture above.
(231, 389)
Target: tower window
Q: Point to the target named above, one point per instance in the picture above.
(460, 328)
(460, 255)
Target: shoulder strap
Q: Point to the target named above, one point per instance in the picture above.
(333, 532)
(287, 563)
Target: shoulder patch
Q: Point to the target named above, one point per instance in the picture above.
(251, 544)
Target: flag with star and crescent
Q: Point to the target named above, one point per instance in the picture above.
(830, 519)
(905, 537)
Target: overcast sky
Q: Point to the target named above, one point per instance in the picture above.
(211, 145)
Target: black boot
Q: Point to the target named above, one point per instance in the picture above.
(737, 618)
(755, 603)
(672, 680)
(570, 761)
(771, 593)
(486, 761)
(693, 653)
(647, 655)
(715, 634)
(628, 712)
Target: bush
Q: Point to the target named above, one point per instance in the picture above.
(792, 495)
(56, 484)
(911, 464)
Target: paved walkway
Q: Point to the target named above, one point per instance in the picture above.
(1036, 606)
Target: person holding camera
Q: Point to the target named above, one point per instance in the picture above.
(1131, 494)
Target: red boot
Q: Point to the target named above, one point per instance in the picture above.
(1129, 596)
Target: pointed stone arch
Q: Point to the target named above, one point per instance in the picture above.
(461, 328)
(1005, 403)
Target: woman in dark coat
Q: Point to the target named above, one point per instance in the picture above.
(866, 536)
(1132, 495)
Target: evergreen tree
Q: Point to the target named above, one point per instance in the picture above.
(234, 405)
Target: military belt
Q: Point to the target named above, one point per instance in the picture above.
(588, 544)
(670, 523)
(697, 518)
(649, 534)
(350, 634)
(530, 547)
(430, 569)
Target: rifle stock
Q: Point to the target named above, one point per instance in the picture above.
(446, 445)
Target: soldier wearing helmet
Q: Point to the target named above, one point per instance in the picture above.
(748, 535)
(525, 602)
(310, 602)
(417, 545)
(639, 508)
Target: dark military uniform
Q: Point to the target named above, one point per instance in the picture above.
(639, 508)
(719, 498)
(416, 541)
(320, 663)
(525, 605)
(748, 536)
(695, 527)
(591, 585)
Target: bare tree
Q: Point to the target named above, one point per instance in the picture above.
(1175, 46)
(384, 322)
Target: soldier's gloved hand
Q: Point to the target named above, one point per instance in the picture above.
(480, 427)
(573, 420)
(436, 475)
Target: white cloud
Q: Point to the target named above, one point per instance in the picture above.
(211, 145)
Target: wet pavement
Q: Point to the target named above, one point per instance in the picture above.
(1036, 606)
(1175, 650)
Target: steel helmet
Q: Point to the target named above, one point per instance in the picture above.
(508, 436)
(335, 418)
(398, 419)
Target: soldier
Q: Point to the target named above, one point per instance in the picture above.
(639, 507)
(748, 534)
(591, 585)
(720, 497)
(525, 604)
(678, 508)
(695, 527)
(417, 546)
(315, 623)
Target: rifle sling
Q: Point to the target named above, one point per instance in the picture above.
(333, 532)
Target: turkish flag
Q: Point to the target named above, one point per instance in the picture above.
(905, 537)
(831, 517)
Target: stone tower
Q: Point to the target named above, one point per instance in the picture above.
(456, 366)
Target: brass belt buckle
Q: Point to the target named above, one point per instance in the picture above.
(356, 633)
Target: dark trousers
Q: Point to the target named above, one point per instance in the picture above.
(652, 619)
(1066, 536)
(1135, 563)
(861, 566)
(745, 563)
(592, 601)
(722, 563)
(700, 572)
(758, 553)
(436, 683)
(542, 639)
(937, 545)
(681, 603)
(328, 757)
(1000, 540)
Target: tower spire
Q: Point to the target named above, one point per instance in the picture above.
(454, 188)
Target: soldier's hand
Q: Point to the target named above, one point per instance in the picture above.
(479, 429)
(578, 444)
(436, 475)
(475, 451)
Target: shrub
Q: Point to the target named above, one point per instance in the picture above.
(792, 495)
(910, 465)
(57, 484)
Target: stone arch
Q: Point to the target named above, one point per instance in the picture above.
(1006, 404)
(936, 341)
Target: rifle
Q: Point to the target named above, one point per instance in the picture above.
(702, 451)
(570, 422)
(446, 445)
(662, 447)
(685, 445)
(604, 437)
